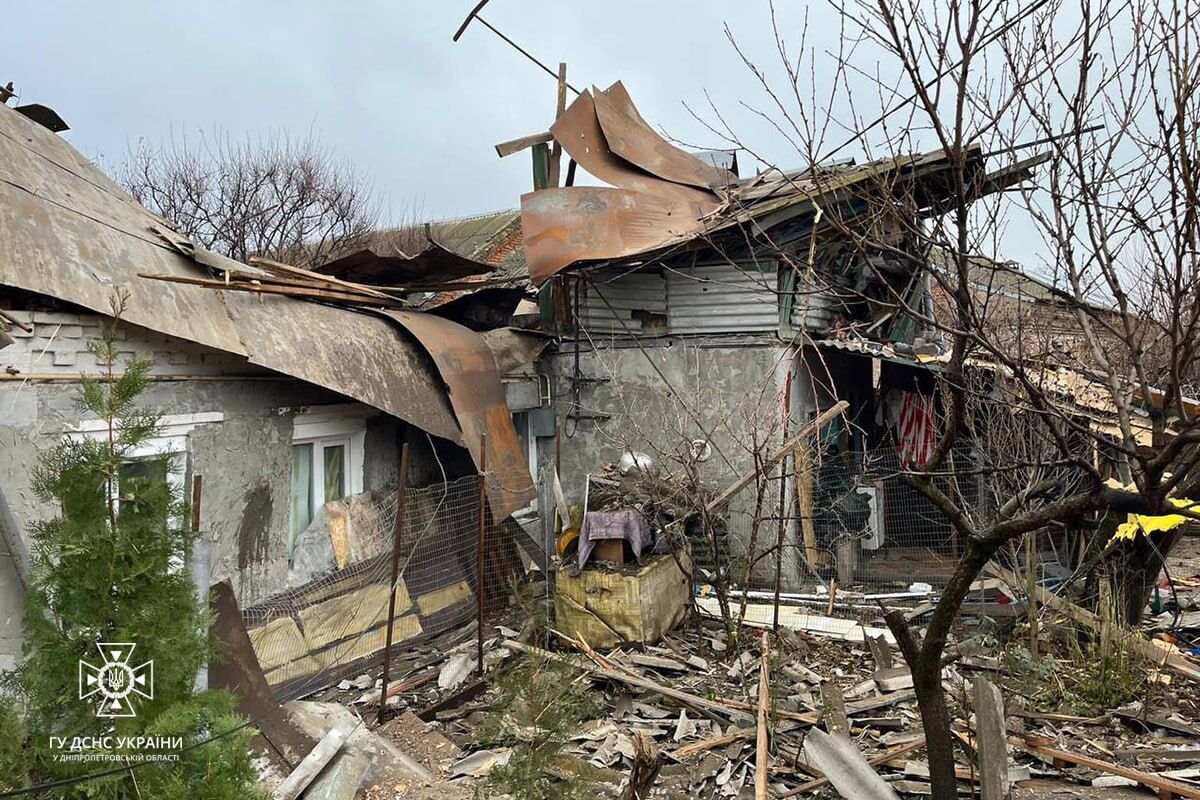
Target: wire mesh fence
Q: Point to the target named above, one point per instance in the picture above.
(455, 564)
(855, 522)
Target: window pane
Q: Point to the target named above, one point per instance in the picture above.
(301, 493)
(335, 472)
(140, 483)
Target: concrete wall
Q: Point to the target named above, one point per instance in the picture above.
(245, 458)
(726, 391)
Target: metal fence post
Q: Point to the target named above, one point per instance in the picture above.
(479, 587)
(397, 536)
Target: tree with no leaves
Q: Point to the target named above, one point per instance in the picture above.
(280, 198)
(1101, 103)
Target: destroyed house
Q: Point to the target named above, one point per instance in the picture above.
(289, 395)
(704, 318)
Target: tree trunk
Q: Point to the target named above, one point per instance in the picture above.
(1137, 565)
(935, 719)
(924, 658)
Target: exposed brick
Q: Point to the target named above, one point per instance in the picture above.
(64, 358)
(57, 318)
(70, 332)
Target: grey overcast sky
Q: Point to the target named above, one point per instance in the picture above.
(379, 81)
(382, 86)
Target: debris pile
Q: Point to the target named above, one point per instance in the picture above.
(689, 710)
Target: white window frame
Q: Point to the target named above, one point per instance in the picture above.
(325, 426)
(170, 440)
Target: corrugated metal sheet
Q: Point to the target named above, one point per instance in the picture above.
(722, 298)
(636, 292)
(811, 310)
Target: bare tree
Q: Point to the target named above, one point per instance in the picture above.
(289, 199)
(1100, 102)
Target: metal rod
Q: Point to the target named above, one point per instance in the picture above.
(197, 483)
(479, 587)
(200, 570)
(523, 52)
(397, 537)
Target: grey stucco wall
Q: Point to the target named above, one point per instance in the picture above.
(245, 459)
(665, 395)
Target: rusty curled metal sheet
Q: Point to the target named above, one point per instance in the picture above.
(476, 393)
(631, 137)
(354, 353)
(69, 232)
(435, 264)
(645, 212)
(578, 131)
(238, 671)
(581, 223)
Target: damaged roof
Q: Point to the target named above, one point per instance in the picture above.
(72, 233)
(661, 197)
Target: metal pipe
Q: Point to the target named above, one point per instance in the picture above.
(479, 586)
(397, 538)
(199, 569)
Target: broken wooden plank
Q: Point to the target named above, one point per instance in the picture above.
(762, 755)
(1148, 649)
(655, 662)
(647, 761)
(1164, 786)
(845, 767)
(632, 680)
(408, 683)
(993, 744)
(736, 735)
(833, 708)
(308, 769)
(874, 703)
(523, 143)
(762, 615)
(773, 459)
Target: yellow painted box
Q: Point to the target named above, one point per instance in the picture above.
(607, 607)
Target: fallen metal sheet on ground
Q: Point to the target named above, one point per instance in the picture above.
(238, 671)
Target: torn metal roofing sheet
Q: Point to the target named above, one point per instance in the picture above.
(666, 198)
(432, 266)
(562, 226)
(469, 370)
(71, 233)
(632, 138)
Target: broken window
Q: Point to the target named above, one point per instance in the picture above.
(327, 461)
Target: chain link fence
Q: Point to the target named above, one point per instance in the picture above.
(853, 524)
(455, 564)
